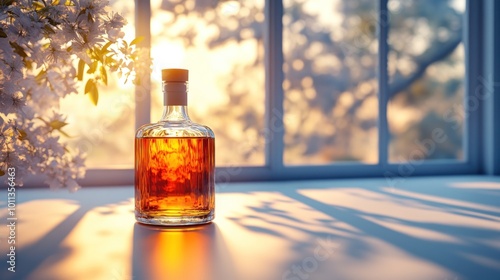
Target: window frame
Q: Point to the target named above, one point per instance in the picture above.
(477, 160)
(491, 73)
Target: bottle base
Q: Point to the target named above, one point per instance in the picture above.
(172, 221)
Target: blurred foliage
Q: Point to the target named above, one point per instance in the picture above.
(427, 70)
(331, 57)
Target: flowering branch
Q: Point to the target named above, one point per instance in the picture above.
(47, 48)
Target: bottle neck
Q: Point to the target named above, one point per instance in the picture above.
(175, 113)
(175, 102)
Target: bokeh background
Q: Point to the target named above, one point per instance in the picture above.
(330, 87)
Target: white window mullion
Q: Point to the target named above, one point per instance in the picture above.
(488, 88)
(274, 79)
(383, 82)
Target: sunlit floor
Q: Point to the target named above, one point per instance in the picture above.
(436, 228)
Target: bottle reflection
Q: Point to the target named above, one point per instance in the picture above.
(195, 252)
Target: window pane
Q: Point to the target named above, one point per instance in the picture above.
(427, 70)
(106, 131)
(330, 87)
(220, 42)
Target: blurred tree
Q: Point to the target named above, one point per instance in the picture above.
(427, 71)
(331, 73)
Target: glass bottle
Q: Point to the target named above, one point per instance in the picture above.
(174, 162)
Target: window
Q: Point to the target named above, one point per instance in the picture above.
(209, 38)
(299, 89)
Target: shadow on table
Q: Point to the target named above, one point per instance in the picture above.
(474, 223)
(49, 247)
(201, 252)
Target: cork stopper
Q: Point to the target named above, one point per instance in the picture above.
(174, 75)
(174, 86)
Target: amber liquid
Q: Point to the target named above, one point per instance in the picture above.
(174, 178)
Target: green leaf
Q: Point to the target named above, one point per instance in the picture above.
(53, 22)
(91, 89)
(94, 95)
(22, 134)
(104, 48)
(88, 85)
(93, 67)
(40, 118)
(104, 75)
(28, 64)
(18, 49)
(38, 5)
(40, 76)
(81, 67)
(57, 124)
(137, 40)
(110, 60)
(64, 133)
(103, 52)
(49, 29)
(82, 11)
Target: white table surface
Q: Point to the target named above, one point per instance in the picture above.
(433, 228)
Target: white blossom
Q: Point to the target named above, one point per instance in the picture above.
(39, 53)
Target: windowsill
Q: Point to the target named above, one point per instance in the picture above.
(422, 228)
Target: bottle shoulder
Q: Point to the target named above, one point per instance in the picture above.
(174, 129)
